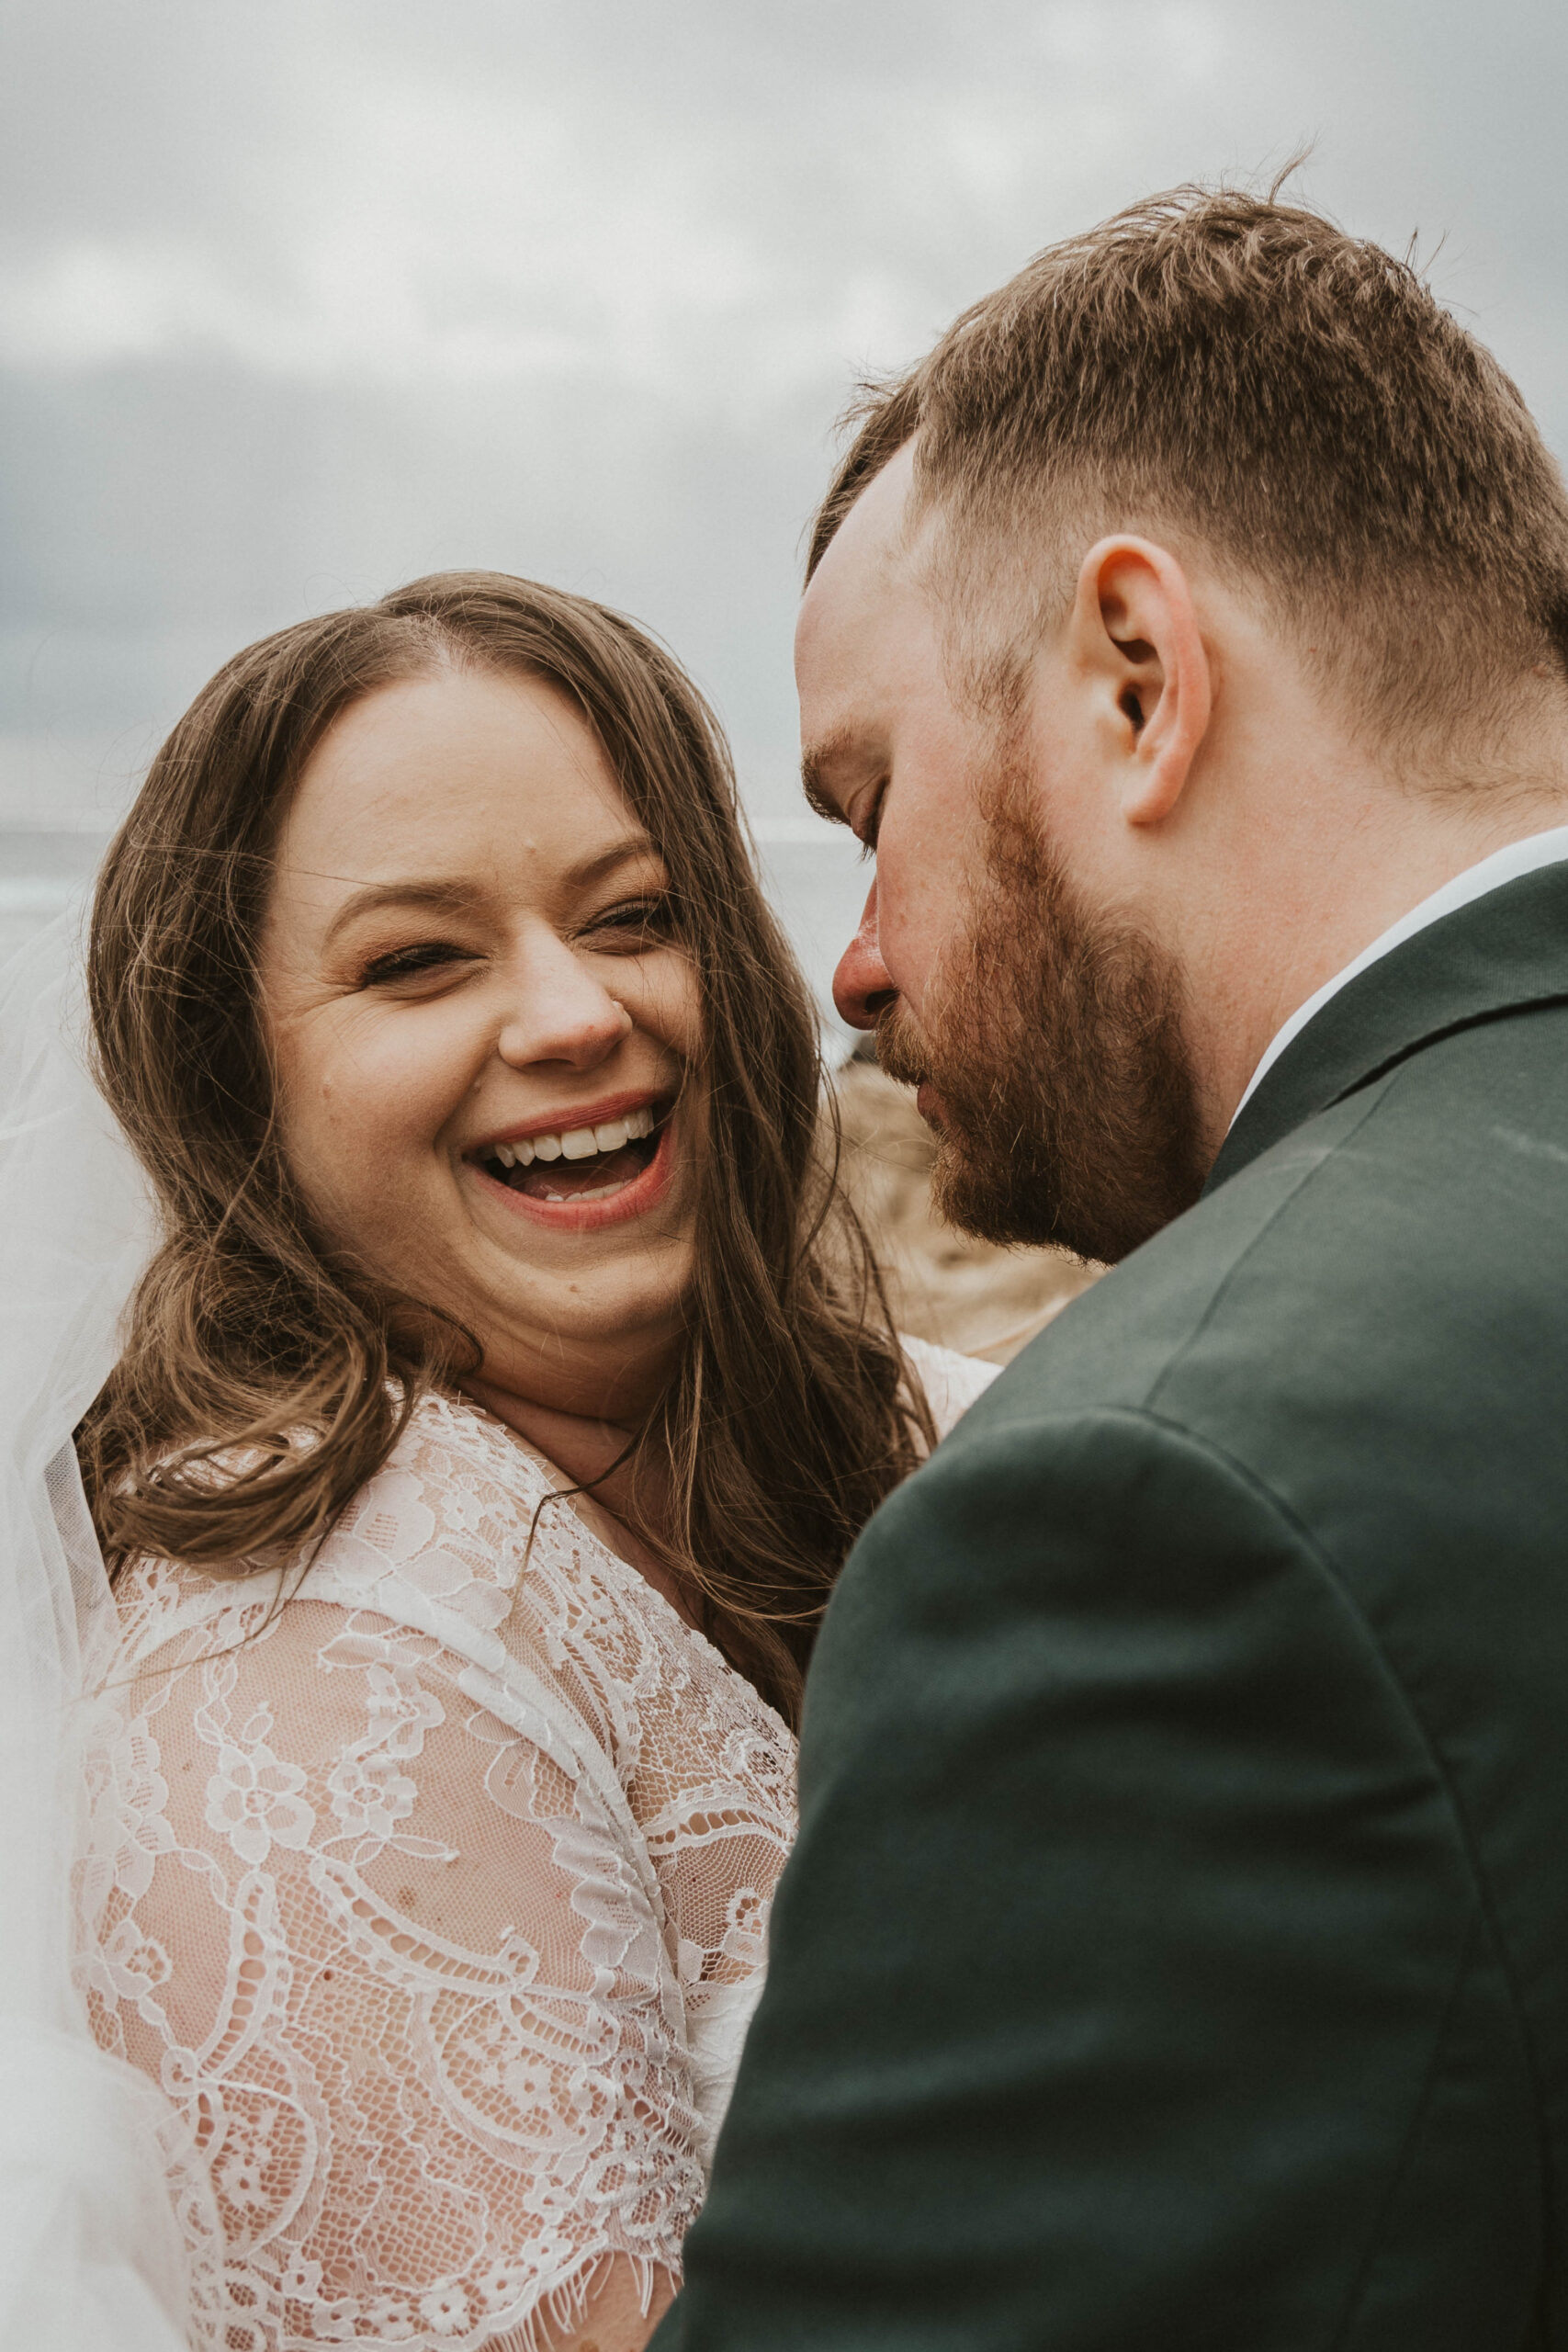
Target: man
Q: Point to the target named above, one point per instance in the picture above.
(1176, 1953)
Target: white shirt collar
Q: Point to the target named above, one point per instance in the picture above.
(1504, 865)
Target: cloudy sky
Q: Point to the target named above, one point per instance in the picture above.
(302, 298)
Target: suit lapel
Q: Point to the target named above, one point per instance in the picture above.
(1499, 954)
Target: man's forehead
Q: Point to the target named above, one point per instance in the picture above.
(863, 648)
(869, 550)
(860, 589)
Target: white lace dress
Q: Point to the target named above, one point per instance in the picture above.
(436, 1899)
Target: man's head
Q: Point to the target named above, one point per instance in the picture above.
(1196, 605)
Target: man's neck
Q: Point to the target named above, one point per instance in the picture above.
(1301, 938)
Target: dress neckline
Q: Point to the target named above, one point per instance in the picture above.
(620, 1569)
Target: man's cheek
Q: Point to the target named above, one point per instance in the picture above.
(914, 928)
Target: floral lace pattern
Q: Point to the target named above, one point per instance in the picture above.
(412, 1893)
(434, 1893)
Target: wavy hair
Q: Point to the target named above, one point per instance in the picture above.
(264, 1379)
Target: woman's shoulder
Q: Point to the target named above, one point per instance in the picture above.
(447, 1518)
(952, 1382)
(445, 1562)
(467, 1536)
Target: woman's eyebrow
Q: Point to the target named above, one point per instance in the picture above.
(438, 897)
(593, 869)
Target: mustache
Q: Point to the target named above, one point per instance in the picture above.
(902, 1053)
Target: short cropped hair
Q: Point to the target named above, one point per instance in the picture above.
(1295, 400)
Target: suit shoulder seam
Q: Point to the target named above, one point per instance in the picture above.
(1169, 1369)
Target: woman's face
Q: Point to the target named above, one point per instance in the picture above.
(482, 1026)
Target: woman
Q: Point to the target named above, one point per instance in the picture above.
(437, 1803)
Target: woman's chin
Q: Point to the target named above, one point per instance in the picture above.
(593, 1324)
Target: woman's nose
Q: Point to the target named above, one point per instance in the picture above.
(862, 987)
(560, 1011)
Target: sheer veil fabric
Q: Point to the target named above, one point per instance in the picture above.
(93, 2253)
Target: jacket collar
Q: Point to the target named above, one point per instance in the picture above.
(1503, 952)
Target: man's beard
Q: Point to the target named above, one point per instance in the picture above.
(1067, 1109)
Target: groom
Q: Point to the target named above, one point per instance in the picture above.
(1176, 1954)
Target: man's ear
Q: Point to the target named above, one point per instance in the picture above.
(1134, 631)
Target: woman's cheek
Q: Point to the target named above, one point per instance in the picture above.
(673, 1003)
(363, 1101)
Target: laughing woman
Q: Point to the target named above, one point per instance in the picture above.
(437, 1801)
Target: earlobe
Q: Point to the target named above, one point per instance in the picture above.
(1138, 630)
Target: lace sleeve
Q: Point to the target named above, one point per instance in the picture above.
(399, 1965)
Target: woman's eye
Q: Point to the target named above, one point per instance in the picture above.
(413, 963)
(635, 922)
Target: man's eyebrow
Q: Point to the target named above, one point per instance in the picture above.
(447, 897)
(815, 761)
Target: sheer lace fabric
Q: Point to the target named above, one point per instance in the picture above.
(419, 1895)
(435, 1895)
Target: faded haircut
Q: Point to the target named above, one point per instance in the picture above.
(1240, 375)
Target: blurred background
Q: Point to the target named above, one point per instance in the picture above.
(303, 297)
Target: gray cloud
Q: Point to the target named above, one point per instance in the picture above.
(299, 297)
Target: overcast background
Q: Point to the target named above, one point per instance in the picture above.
(299, 298)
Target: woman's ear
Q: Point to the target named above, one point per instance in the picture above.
(1135, 632)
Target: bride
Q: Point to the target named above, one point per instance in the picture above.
(492, 1417)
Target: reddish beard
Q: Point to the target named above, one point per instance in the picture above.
(1065, 1106)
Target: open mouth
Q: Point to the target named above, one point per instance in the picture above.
(579, 1163)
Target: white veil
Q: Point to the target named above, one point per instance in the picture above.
(90, 2253)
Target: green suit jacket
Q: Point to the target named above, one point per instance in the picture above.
(1175, 1956)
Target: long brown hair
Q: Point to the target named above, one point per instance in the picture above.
(264, 1379)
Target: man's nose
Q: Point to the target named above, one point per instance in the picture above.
(862, 987)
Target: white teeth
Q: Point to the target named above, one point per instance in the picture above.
(575, 1143)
